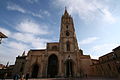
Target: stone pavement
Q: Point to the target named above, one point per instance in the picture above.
(71, 79)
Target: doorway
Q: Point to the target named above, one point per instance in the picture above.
(69, 68)
(52, 69)
(35, 70)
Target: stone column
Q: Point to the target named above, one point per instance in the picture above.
(59, 67)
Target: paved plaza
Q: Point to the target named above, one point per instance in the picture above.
(73, 79)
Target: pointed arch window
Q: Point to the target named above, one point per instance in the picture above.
(68, 46)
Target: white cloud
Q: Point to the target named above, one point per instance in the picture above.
(87, 9)
(94, 57)
(104, 47)
(28, 35)
(18, 46)
(39, 45)
(36, 14)
(35, 41)
(88, 40)
(15, 7)
(32, 1)
(29, 26)
(46, 13)
(108, 16)
(25, 37)
(5, 31)
(8, 53)
(40, 13)
(20, 42)
(99, 50)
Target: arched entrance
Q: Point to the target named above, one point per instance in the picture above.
(69, 68)
(35, 70)
(52, 69)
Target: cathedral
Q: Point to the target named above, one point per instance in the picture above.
(59, 59)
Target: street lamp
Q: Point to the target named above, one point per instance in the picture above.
(2, 36)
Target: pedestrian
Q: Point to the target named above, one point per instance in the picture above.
(22, 77)
(86, 75)
(27, 76)
(2, 77)
(5, 76)
(16, 77)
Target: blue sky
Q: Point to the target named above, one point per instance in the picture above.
(30, 24)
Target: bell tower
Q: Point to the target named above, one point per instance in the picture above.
(68, 41)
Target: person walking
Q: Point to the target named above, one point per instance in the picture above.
(16, 77)
(5, 76)
(22, 77)
(27, 76)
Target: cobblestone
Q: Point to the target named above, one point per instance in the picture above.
(71, 79)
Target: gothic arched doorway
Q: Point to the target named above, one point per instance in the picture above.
(52, 69)
(35, 70)
(69, 68)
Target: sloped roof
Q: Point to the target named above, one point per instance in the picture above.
(2, 35)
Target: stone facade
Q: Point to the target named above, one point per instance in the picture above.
(108, 65)
(19, 65)
(6, 71)
(59, 59)
(2, 66)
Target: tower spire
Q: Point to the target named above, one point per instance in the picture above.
(23, 53)
(67, 34)
(7, 64)
(66, 13)
(65, 8)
